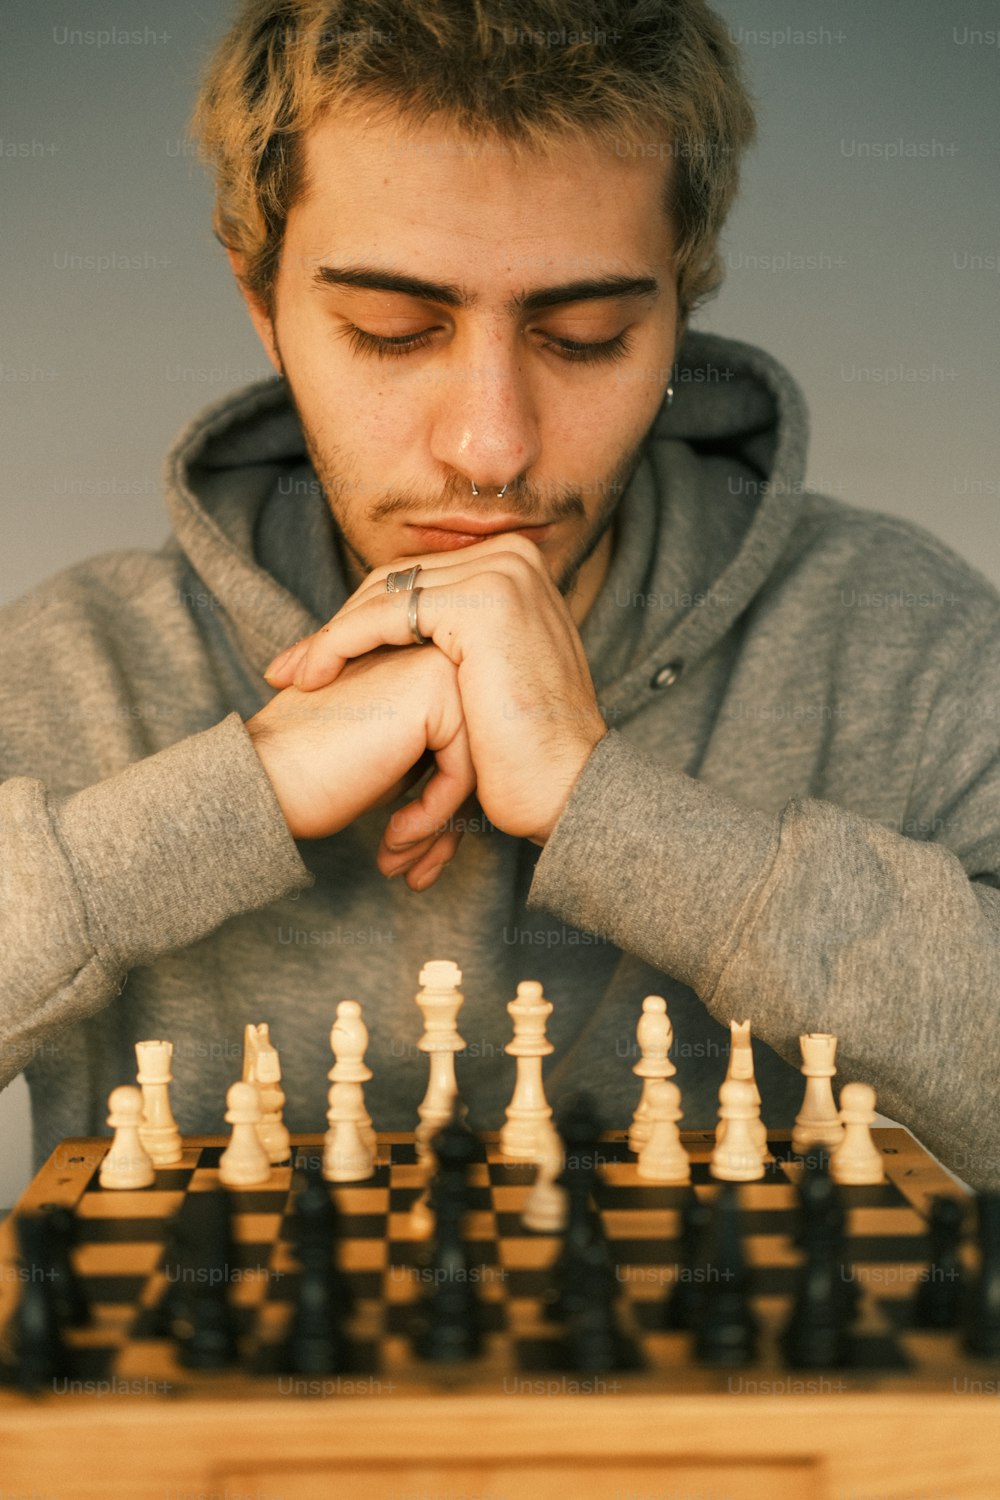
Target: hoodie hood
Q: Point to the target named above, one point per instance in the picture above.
(702, 522)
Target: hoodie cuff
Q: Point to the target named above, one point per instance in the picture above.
(168, 849)
(657, 862)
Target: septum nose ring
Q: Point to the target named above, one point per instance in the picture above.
(500, 493)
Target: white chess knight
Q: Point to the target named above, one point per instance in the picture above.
(662, 1157)
(349, 1043)
(817, 1122)
(158, 1131)
(737, 1157)
(519, 1136)
(262, 1066)
(244, 1163)
(440, 999)
(857, 1161)
(127, 1164)
(741, 1066)
(655, 1036)
(547, 1208)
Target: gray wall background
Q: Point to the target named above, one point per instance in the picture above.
(864, 253)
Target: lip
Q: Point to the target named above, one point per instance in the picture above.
(463, 531)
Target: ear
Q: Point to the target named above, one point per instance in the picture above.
(258, 314)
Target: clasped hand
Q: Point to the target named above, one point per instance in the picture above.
(517, 673)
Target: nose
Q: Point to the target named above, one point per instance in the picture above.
(485, 424)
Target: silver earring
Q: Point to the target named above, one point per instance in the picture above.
(473, 483)
(670, 395)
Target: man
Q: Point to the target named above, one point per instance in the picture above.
(507, 589)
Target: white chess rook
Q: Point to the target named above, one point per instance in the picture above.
(158, 1131)
(817, 1123)
(127, 1164)
(737, 1157)
(662, 1158)
(655, 1036)
(440, 1000)
(528, 1107)
(349, 1043)
(244, 1162)
(857, 1161)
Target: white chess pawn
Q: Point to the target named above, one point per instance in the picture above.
(655, 1036)
(817, 1122)
(271, 1129)
(857, 1161)
(127, 1164)
(158, 1131)
(349, 1043)
(737, 1157)
(662, 1158)
(546, 1208)
(346, 1157)
(741, 1066)
(528, 1107)
(244, 1162)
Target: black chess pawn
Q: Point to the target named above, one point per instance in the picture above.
(983, 1332)
(938, 1299)
(206, 1330)
(726, 1332)
(448, 1326)
(682, 1303)
(316, 1343)
(818, 1332)
(41, 1354)
(584, 1245)
(594, 1342)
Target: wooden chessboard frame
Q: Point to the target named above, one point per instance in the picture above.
(758, 1434)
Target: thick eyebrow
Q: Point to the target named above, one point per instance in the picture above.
(447, 294)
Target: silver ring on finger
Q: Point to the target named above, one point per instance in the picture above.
(411, 619)
(396, 583)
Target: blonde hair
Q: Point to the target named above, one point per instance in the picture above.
(646, 76)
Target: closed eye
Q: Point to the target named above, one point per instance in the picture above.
(384, 347)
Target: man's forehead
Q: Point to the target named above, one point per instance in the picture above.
(383, 191)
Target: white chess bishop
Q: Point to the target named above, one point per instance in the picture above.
(547, 1206)
(654, 1035)
(349, 1043)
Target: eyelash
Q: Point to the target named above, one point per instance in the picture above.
(390, 348)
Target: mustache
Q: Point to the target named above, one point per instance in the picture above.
(525, 502)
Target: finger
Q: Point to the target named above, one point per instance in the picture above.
(426, 871)
(281, 671)
(384, 621)
(426, 855)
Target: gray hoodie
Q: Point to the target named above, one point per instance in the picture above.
(794, 817)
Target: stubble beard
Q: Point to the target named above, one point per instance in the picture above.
(337, 491)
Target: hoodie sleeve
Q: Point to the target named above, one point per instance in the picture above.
(818, 919)
(148, 861)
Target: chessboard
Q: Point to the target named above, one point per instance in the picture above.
(514, 1421)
